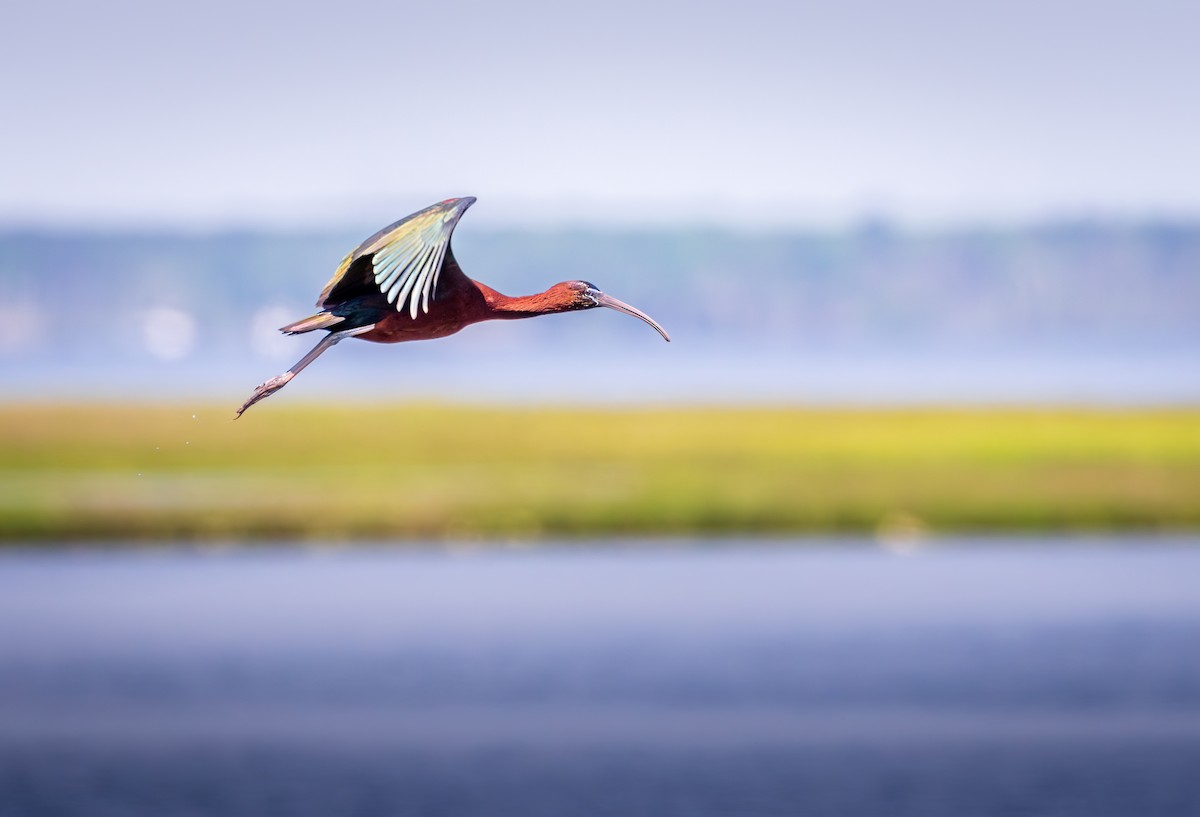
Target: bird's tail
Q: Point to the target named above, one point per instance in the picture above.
(322, 320)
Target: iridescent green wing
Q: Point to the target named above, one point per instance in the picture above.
(403, 261)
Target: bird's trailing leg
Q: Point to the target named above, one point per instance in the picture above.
(278, 382)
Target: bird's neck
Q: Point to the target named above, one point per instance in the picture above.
(501, 306)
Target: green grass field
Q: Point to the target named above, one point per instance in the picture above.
(418, 472)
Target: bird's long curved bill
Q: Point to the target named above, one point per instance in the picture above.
(621, 306)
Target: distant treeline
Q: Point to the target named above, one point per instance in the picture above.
(1074, 284)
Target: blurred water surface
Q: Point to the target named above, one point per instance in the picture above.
(822, 677)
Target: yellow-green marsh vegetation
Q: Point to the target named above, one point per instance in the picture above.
(430, 471)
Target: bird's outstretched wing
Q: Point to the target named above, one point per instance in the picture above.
(402, 262)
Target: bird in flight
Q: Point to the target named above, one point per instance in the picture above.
(403, 284)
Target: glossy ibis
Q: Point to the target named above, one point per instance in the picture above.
(403, 284)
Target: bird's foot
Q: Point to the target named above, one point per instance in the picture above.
(266, 390)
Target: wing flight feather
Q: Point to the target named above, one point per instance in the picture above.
(403, 261)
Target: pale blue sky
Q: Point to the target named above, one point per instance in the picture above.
(756, 112)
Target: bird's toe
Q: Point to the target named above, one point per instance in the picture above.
(266, 390)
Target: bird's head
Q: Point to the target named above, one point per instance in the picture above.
(583, 295)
